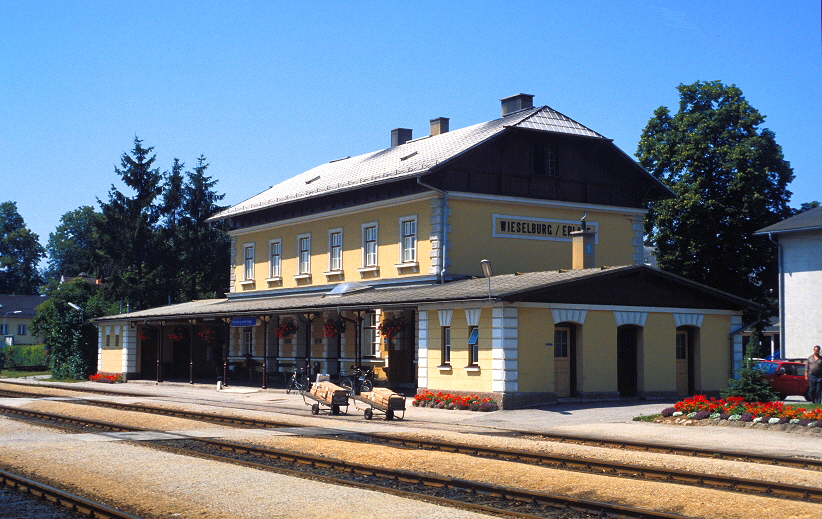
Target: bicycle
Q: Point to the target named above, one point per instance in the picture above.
(358, 381)
(298, 382)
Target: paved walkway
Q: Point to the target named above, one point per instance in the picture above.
(608, 419)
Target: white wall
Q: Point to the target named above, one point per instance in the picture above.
(802, 267)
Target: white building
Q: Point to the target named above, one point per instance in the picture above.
(799, 239)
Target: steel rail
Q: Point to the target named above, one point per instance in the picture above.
(773, 489)
(465, 487)
(800, 463)
(59, 497)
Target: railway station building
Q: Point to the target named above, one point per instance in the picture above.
(502, 259)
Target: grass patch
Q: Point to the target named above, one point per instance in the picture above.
(647, 418)
(9, 373)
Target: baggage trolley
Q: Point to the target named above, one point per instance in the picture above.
(337, 402)
(395, 404)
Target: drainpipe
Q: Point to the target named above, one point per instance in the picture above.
(780, 266)
(444, 225)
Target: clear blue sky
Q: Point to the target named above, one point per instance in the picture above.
(266, 90)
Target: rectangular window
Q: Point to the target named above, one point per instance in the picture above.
(248, 262)
(369, 335)
(561, 341)
(4, 329)
(370, 245)
(304, 254)
(681, 345)
(409, 240)
(446, 345)
(544, 160)
(275, 258)
(248, 340)
(473, 345)
(335, 250)
(21, 329)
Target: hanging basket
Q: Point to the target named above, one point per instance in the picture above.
(392, 326)
(285, 329)
(333, 328)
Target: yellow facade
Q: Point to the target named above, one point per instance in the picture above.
(659, 348)
(535, 357)
(472, 237)
(387, 218)
(460, 377)
(111, 349)
(714, 360)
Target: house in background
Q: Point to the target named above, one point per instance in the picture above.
(18, 312)
(799, 242)
(377, 261)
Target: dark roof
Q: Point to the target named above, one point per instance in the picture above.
(610, 284)
(808, 221)
(415, 157)
(26, 304)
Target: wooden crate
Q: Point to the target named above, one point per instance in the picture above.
(328, 392)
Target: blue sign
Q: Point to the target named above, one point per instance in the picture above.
(243, 321)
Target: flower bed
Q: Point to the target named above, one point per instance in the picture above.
(442, 400)
(700, 407)
(107, 378)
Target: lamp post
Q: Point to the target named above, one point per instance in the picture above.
(487, 272)
(5, 331)
(76, 307)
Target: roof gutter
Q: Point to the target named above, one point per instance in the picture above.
(444, 225)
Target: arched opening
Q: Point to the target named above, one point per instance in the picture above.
(565, 360)
(628, 337)
(685, 360)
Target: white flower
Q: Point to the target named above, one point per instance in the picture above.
(773, 420)
(735, 417)
(692, 414)
(714, 416)
(677, 413)
(757, 419)
(794, 420)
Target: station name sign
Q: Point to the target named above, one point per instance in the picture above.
(243, 321)
(530, 228)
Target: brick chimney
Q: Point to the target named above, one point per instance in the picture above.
(439, 125)
(516, 103)
(400, 136)
(582, 247)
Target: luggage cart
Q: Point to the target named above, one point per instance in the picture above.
(337, 402)
(395, 404)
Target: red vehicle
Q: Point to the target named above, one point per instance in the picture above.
(786, 377)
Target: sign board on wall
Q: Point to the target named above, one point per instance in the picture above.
(530, 228)
(243, 321)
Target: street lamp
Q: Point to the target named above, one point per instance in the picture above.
(76, 307)
(487, 272)
(5, 331)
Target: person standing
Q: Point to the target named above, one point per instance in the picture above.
(813, 374)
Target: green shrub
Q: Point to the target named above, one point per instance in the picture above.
(25, 355)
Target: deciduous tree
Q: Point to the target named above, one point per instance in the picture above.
(730, 178)
(20, 254)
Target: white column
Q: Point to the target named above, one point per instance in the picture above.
(422, 348)
(504, 345)
(738, 349)
(129, 349)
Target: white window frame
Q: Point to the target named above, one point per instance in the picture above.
(248, 273)
(445, 351)
(4, 329)
(335, 264)
(21, 329)
(473, 346)
(407, 257)
(369, 266)
(369, 340)
(303, 267)
(275, 261)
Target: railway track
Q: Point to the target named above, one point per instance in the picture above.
(446, 491)
(524, 456)
(80, 506)
(589, 465)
